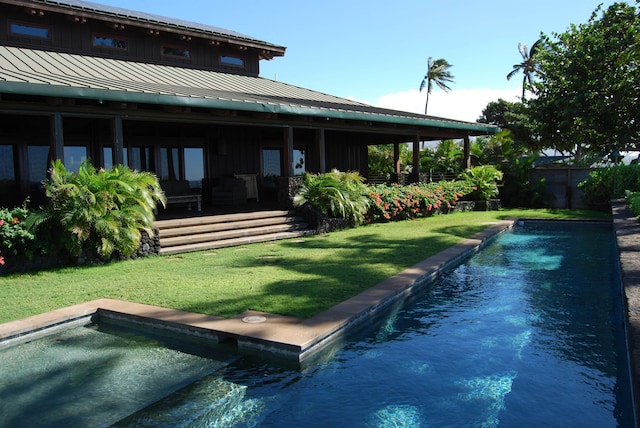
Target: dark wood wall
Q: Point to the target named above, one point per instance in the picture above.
(66, 35)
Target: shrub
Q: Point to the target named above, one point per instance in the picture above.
(609, 183)
(337, 194)
(98, 212)
(15, 238)
(485, 179)
(395, 202)
(633, 199)
(518, 190)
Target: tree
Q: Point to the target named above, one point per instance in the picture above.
(587, 94)
(528, 66)
(438, 73)
(512, 116)
(381, 161)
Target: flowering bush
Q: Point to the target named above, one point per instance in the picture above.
(15, 239)
(397, 202)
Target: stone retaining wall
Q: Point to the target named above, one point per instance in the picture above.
(627, 229)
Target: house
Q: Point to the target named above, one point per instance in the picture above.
(83, 81)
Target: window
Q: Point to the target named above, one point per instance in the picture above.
(233, 61)
(9, 193)
(194, 166)
(170, 163)
(29, 30)
(73, 157)
(271, 163)
(7, 163)
(109, 42)
(176, 52)
(38, 158)
(107, 157)
(298, 162)
(140, 158)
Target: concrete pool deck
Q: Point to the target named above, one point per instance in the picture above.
(288, 337)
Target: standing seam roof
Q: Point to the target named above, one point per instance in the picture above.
(34, 72)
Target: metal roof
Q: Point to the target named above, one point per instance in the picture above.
(45, 73)
(105, 11)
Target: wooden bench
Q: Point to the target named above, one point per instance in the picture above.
(179, 192)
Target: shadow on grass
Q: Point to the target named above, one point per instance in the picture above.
(341, 272)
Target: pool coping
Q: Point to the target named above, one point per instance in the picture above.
(295, 339)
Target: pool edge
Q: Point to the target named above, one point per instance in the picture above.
(292, 338)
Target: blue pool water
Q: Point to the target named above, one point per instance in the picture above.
(527, 333)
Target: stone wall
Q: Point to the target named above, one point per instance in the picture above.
(627, 229)
(562, 183)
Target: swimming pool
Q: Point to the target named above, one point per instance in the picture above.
(526, 333)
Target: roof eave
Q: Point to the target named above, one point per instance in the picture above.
(242, 105)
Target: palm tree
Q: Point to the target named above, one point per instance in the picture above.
(438, 73)
(528, 66)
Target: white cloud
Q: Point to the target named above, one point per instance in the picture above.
(458, 104)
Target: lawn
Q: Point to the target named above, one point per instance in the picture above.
(296, 277)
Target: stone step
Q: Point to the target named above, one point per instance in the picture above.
(238, 232)
(235, 241)
(222, 218)
(217, 231)
(224, 226)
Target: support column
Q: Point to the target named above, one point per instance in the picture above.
(467, 153)
(287, 155)
(416, 155)
(414, 177)
(118, 141)
(396, 158)
(58, 136)
(320, 144)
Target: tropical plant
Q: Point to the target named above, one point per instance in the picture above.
(381, 159)
(438, 73)
(485, 179)
(445, 158)
(336, 194)
(15, 239)
(99, 212)
(611, 182)
(528, 66)
(633, 200)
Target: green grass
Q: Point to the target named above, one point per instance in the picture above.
(298, 277)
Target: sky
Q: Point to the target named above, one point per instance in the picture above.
(376, 51)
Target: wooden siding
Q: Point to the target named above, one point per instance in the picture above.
(76, 37)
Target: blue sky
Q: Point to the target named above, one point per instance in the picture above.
(376, 51)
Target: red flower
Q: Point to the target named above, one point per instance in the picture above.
(1, 222)
(1, 260)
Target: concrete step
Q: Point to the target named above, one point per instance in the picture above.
(224, 226)
(230, 233)
(207, 232)
(235, 242)
(222, 218)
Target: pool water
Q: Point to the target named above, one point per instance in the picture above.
(529, 332)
